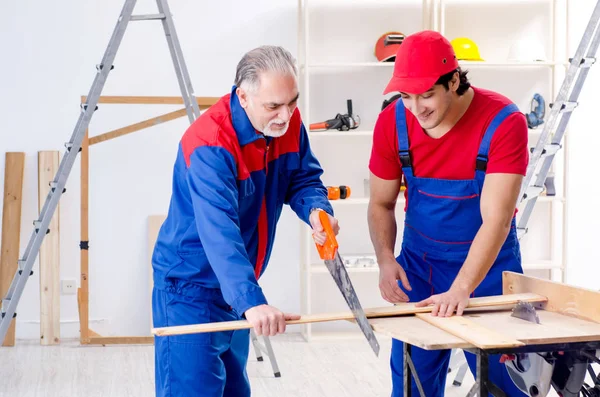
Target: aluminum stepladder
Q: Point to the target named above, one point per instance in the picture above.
(560, 112)
(25, 264)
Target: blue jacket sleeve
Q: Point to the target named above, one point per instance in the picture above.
(306, 190)
(211, 178)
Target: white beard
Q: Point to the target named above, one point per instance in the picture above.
(278, 133)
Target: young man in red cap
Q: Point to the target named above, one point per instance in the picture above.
(463, 153)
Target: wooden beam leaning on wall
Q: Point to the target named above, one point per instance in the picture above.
(49, 255)
(11, 227)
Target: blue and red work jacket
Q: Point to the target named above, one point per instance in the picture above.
(230, 183)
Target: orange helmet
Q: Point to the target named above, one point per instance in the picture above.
(387, 47)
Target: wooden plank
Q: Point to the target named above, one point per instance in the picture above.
(49, 254)
(396, 310)
(562, 298)
(154, 224)
(479, 335)
(11, 227)
(83, 293)
(121, 340)
(137, 126)
(203, 102)
(418, 333)
(553, 328)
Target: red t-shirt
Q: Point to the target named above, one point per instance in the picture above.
(453, 155)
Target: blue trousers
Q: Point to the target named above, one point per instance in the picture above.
(208, 364)
(429, 276)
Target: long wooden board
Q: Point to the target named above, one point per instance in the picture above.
(464, 328)
(11, 227)
(49, 255)
(203, 102)
(397, 310)
(417, 332)
(562, 298)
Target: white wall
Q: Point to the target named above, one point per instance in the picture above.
(50, 51)
(583, 212)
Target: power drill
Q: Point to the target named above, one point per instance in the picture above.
(536, 116)
(338, 192)
(341, 122)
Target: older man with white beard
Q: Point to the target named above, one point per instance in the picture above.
(236, 166)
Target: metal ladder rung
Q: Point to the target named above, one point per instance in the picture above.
(149, 17)
(585, 63)
(566, 107)
(533, 192)
(521, 231)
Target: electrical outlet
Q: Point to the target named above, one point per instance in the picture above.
(68, 287)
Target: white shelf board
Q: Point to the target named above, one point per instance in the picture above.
(541, 265)
(336, 133)
(533, 265)
(320, 268)
(494, 64)
(325, 65)
(508, 64)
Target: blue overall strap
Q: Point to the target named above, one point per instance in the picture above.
(484, 147)
(402, 132)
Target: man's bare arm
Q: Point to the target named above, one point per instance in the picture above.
(383, 228)
(381, 216)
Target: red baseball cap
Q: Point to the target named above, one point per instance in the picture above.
(421, 59)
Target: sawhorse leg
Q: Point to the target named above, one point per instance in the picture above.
(410, 372)
(483, 387)
(259, 349)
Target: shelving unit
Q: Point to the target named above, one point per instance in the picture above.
(337, 62)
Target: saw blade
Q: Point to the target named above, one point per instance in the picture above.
(340, 275)
(525, 311)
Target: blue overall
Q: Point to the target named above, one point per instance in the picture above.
(442, 218)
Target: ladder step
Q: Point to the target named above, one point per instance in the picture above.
(53, 186)
(533, 192)
(549, 150)
(585, 63)
(149, 17)
(521, 231)
(566, 106)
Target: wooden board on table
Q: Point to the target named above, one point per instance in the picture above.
(11, 228)
(154, 224)
(562, 298)
(49, 255)
(478, 334)
(417, 332)
(553, 328)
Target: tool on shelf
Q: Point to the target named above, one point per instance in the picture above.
(538, 109)
(329, 253)
(338, 192)
(341, 122)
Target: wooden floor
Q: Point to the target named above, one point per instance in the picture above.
(326, 368)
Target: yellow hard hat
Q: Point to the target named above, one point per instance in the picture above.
(466, 49)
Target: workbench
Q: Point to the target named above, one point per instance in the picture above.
(569, 320)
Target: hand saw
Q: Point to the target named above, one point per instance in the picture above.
(329, 253)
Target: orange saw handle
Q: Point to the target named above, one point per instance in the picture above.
(328, 250)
